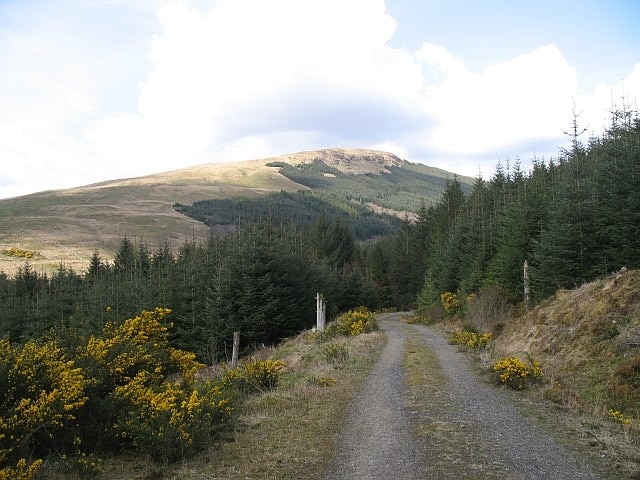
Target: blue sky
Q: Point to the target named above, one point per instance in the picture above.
(599, 37)
(92, 90)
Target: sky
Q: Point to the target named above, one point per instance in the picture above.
(94, 90)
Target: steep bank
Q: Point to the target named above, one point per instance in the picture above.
(588, 340)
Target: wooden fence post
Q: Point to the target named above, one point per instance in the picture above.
(236, 348)
(526, 284)
(321, 310)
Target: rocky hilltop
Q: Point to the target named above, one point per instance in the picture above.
(355, 161)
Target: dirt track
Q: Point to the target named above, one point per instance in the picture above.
(378, 440)
(481, 433)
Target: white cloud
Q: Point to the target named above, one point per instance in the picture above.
(504, 104)
(255, 78)
(55, 71)
(225, 79)
(293, 75)
(441, 59)
(593, 109)
(518, 108)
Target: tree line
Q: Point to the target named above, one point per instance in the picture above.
(302, 208)
(573, 218)
(260, 280)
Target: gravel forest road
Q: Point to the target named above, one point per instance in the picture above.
(488, 435)
(378, 439)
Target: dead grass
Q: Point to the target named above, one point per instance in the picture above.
(583, 338)
(291, 432)
(613, 446)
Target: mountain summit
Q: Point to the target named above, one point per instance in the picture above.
(354, 161)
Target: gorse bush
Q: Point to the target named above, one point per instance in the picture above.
(138, 344)
(166, 420)
(619, 417)
(450, 302)
(516, 374)
(470, 339)
(254, 376)
(354, 322)
(22, 471)
(41, 391)
(131, 364)
(19, 252)
(125, 388)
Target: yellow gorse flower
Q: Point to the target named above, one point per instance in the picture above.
(140, 343)
(162, 411)
(22, 470)
(127, 364)
(470, 339)
(515, 373)
(42, 390)
(619, 417)
(450, 302)
(19, 252)
(357, 321)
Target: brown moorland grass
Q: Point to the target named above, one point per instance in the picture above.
(67, 226)
(588, 341)
(290, 433)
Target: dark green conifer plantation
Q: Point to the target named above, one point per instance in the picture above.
(260, 280)
(476, 237)
(573, 218)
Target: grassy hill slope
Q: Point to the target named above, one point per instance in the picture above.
(67, 226)
(588, 343)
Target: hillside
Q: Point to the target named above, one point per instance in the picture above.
(396, 187)
(67, 226)
(588, 341)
